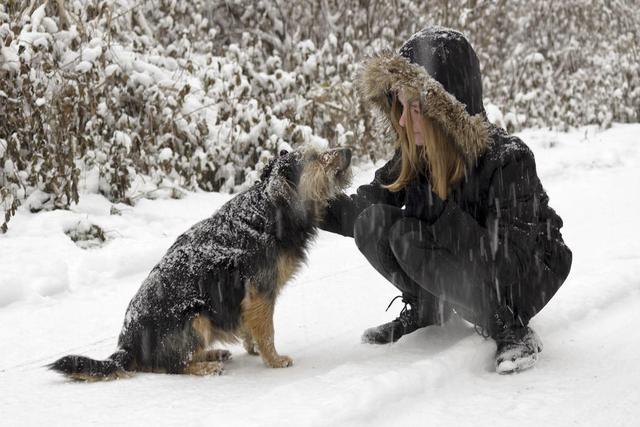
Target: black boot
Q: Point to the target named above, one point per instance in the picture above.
(517, 344)
(405, 323)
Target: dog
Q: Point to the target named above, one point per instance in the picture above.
(219, 281)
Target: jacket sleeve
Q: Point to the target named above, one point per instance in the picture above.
(342, 212)
(508, 238)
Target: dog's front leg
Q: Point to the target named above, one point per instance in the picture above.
(257, 316)
(248, 342)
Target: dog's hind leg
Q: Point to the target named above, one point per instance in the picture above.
(207, 362)
(204, 368)
(202, 361)
(257, 318)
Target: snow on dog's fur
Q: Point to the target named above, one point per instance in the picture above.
(219, 281)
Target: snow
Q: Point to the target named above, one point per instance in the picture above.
(93, 51)
(137, 78)
(84, 66)
(111, 69)
(8, 167)
(122, 139)
(36, 200)
(34, 39)
(57, 299)
(534, 58)
(310, 65)
(36, 17)
(9, 59)
(165, 154)
(494, 115)
(49, 25)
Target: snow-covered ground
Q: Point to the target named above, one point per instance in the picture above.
(56, 299)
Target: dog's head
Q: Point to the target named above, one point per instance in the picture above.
(308, 176)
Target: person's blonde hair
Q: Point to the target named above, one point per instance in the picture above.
(439, 158)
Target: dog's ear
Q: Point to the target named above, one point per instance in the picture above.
(289, 167)
(268, 168)
(283, 179)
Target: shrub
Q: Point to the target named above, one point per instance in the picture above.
(135, 98)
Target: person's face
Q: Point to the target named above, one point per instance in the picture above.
(412, 108)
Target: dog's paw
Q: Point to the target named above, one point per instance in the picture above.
(218, 355)
(280, 362)
(205, 368)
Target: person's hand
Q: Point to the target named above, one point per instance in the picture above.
(422, 203)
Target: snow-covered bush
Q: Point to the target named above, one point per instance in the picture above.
(86, 235)
(564, 64)
(141, 98)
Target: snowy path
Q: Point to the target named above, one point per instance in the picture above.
(56, 298)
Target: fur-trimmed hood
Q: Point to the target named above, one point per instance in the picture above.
(439, 67)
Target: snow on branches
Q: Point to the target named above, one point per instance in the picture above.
(143, 98)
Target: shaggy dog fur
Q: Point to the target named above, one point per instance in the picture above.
(219, 281)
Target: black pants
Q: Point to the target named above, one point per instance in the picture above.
(436, 273)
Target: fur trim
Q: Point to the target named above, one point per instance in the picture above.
(390, 72)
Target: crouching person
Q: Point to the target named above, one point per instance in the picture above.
(476, 234)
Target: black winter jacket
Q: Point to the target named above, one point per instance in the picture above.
(502, 194)
(501, 191)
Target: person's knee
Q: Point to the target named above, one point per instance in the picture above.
(409, 233)
(363, 227)
(373, 223)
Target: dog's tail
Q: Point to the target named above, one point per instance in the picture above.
(87, 369)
